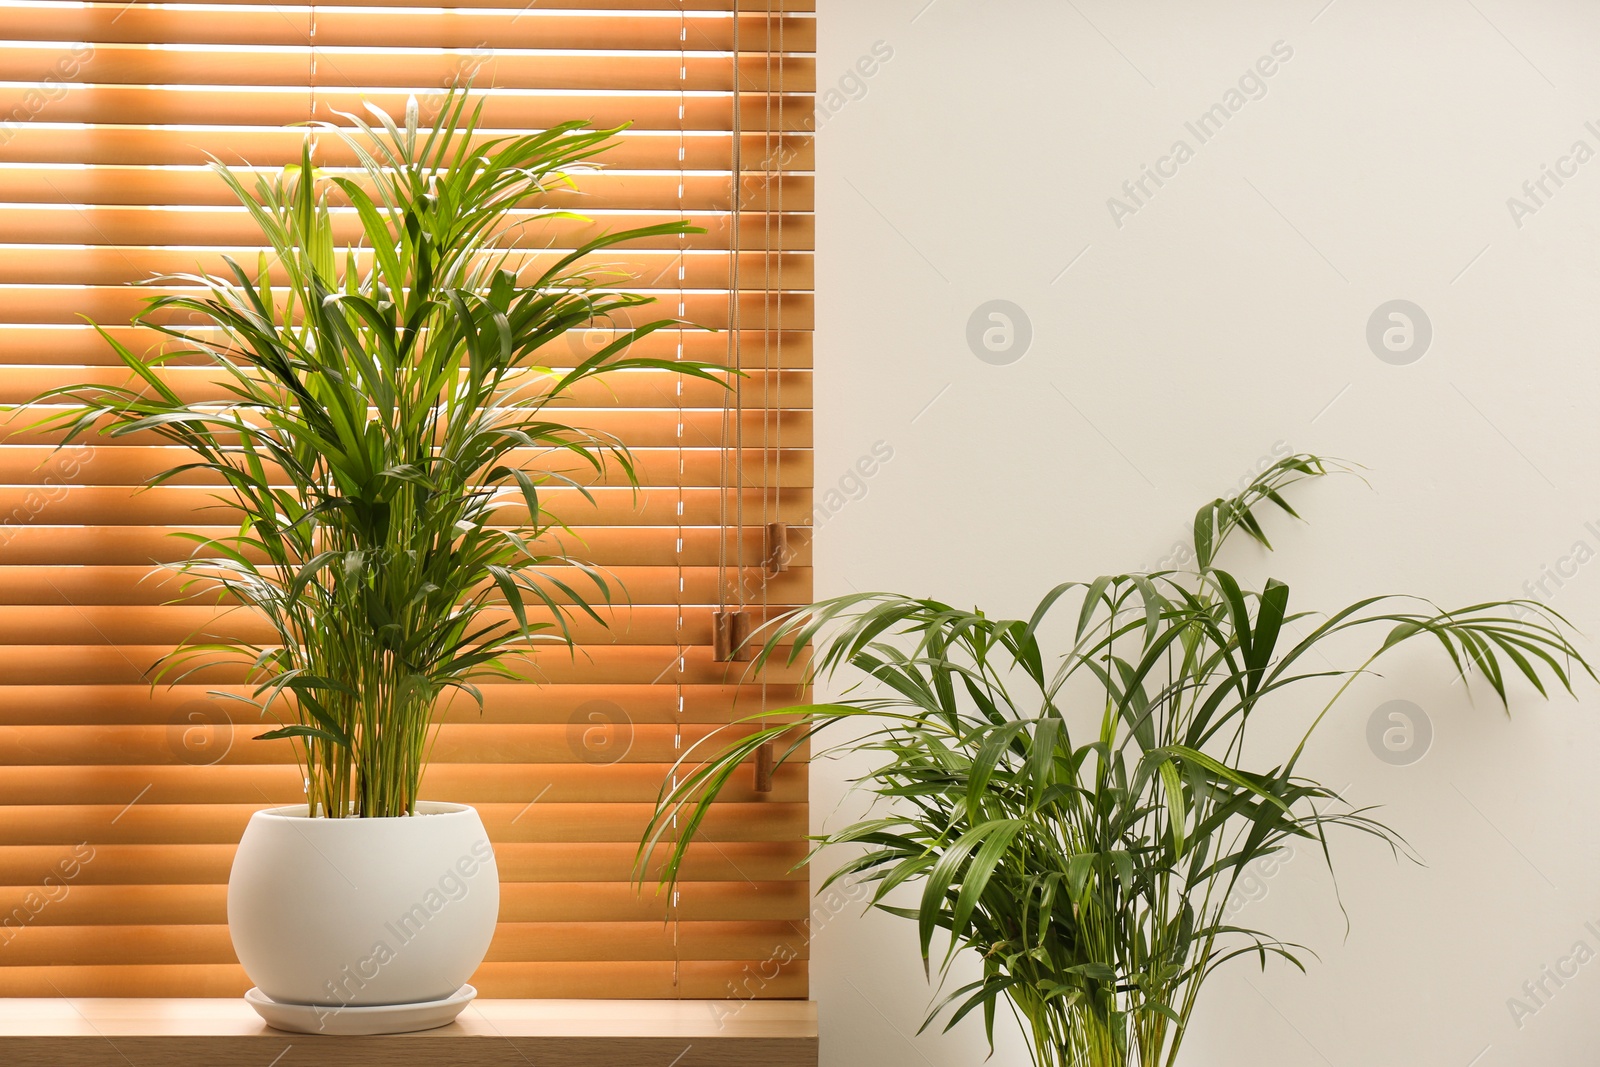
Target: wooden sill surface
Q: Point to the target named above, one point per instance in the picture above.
(90, 1032)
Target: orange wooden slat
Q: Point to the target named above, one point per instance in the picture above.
(597, 979)
(731, 861)
(520, 902)
(638, 270)
(656, 6)
(182, 708)
(621, 664)
(135, 465)
(85, 746)
(761, 427)
(110, 585)
(337, 27)
(628, 389)
(63, 345)
(178, 824)
(278, 106)
(124, 225)
(180, 506)
(70, 946)
(601, 546)
(358, 68)
(185, 779)
(199, 186)
(115, 505)
(118, 303)
(638, 147)
(625, 624)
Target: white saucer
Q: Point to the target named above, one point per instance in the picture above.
(351, 1020)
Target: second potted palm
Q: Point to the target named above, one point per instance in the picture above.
(1068, 800)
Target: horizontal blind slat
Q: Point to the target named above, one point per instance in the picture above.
(176, 781)
(115, 505)
(520, 902)
(641, 389)
(186, 187)
(279, 106)
(69, 304)
(410, 69)
(599, 980)
(524, 746)
(74, 946)
(627, 664)
(545, 822)
(218, 723)
(122, 225)
(492, 29)
(24, 347)
(208, 864)
(112, 265)
(636, 148)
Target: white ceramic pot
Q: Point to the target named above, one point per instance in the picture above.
(353, 912)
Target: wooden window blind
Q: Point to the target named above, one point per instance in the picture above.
(120, 805)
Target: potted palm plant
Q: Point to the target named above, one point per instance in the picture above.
(384, 440)
(1078, 820)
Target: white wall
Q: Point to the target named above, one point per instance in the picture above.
(1223, 318)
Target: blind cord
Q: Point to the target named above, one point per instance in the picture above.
(311, 77)
(677, 738)
(732, 417)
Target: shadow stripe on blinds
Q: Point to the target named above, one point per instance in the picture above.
(108, 113)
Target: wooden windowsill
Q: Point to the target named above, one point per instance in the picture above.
(71, 1032)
